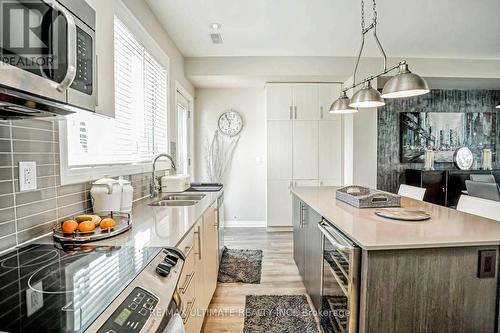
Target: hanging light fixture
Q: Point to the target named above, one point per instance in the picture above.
(367, 97)
(498, 106)
(341, 105)
(404, 84)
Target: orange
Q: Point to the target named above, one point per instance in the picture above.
(69, 226)
(108, 223)
(86, 226)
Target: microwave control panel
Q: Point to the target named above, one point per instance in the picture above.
(84, 63)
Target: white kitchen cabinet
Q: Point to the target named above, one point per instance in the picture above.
(104, 41)
(279, 203)
(305, 101)
(279, 101)
(330, 152)
(279, 149)
(305, 150)
(327, 93)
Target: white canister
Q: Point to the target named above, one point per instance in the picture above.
(127, 192)
(106, 196)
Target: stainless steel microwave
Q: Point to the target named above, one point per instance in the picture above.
(48, 62)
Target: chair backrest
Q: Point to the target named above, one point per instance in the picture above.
(485, 178)
(411, 192)
(488, 191)
(478, 206)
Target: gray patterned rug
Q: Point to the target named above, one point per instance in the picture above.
(240, 266)
(278, 314)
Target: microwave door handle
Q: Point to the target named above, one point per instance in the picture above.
(332, 240)
(71, 46)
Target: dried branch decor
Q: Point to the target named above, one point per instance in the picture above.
(219, 153)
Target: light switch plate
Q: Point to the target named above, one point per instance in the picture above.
(27, 176)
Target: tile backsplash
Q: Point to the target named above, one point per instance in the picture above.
(28, 215)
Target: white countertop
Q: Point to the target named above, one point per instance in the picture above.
(446, 227)
(157, 226)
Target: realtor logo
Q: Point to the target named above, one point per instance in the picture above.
(29, 32)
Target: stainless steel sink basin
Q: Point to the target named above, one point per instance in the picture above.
(176, 197)
(173, 203)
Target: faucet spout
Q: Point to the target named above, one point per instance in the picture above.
(155, 186)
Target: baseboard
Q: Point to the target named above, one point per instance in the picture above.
(244, 224)
(279, 229)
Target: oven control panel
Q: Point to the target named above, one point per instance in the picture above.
(132, 314)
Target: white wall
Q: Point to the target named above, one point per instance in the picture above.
(245, 186)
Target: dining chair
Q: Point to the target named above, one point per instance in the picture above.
(411, 192)
(483, 190)
(479, 206)
(485, 178)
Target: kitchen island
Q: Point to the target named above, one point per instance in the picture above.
(438, 275)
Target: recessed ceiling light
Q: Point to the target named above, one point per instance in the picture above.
(215, 26)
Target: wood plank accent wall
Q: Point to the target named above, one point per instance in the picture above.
(390, 171)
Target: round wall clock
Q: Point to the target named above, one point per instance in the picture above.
(230, 123)
(463, 158)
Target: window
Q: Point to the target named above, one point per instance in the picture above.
(139, 130)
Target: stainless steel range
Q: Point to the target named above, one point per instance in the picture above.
(89, 289)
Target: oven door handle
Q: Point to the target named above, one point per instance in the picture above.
(71, 46)
(336, 243)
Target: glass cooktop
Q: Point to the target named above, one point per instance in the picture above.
(46, 289)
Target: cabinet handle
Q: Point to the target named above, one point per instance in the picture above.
(300, 214)
(321, 112)
(199, 242)
(291, 111)
(189, 307)
(187, 283)
(187, 250)
(96, 81)
(216, 212)
(295, 108)
(302, 220)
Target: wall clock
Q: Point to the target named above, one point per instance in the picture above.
(230, 123)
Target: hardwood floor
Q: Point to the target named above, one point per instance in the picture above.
(279, 276)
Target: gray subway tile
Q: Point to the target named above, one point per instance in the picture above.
(31, 134)
(5, 187)
(34, 123)
(38, 158)
(33, 196)
(31, 146)
(37, 231)
(6, 201)
(7, 242)
(5, 146)
(7, 214)
(70, 189)
(34, 220)
(7, 228)
(71, 199)
(41, 182)
(36, 207)
(5, 159)
(41, 170)
(5, 132)
(5, 173)
(72, 209)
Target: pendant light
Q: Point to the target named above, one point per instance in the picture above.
(404, 84)
(498, 106)
(341, 105)
(367, 97)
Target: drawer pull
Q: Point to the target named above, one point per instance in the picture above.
(187, 250)
(186, 313)
(187, 283)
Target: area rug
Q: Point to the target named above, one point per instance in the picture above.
(278, 314)
(240, 266)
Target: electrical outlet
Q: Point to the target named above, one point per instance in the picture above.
(27, 176)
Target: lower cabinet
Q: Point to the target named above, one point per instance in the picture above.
(199, 275)
(307, 248)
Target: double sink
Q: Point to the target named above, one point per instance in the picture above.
(177, 200)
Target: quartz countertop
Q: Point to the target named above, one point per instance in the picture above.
(446, 227)
(156, 226)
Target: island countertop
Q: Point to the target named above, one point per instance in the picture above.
(446, 227)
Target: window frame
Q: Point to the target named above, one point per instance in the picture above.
(73, 175)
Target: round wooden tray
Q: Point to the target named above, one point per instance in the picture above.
(123, 224)
(403, 214)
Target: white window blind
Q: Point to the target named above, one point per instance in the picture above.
(139, 129)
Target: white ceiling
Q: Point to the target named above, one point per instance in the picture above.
(467, 29)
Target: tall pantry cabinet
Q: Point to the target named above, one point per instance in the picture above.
(304, 143)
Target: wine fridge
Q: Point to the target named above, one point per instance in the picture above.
(340, 281)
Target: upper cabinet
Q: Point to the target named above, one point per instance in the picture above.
(305, 101)
(279, 101)
(104, 45)
(327, 93)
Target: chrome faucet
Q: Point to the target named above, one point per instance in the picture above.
(155, 186)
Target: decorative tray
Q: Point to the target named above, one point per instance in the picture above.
(364, 197)
(404, 214)
(123, 223)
